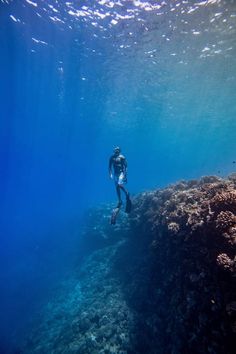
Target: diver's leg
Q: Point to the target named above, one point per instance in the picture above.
(128, 206)
(125, 191)
(118, 195)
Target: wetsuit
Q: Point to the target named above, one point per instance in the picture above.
(119, 164)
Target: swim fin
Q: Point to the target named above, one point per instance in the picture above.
(128, 206)
(114, 215)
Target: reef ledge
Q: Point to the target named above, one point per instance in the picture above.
(163, 280)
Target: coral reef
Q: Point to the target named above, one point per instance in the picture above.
(162, 281)
(193, 227)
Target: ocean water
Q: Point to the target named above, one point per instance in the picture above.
(77, 78)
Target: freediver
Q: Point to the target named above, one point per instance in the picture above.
(118, 172)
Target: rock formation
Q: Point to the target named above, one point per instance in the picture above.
(163, 280)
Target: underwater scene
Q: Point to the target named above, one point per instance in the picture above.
(117, 176)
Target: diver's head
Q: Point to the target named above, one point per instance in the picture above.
(117, 150)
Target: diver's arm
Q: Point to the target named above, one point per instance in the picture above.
(125, 166)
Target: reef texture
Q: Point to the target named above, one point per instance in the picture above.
(163, 280)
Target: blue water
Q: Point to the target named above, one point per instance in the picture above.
(157, 78)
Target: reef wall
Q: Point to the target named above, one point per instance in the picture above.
(163, 280)
(191, 228)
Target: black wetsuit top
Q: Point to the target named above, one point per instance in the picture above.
(119, 164)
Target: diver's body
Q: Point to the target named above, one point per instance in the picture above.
(118, 172)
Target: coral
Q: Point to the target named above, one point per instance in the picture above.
(163, 280)
(232, 177)
(224, 261)
(174, 227)
(224, 201)
(209, 180)
(225, 219)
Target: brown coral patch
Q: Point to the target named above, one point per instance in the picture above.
(224, 201)
(224, 262)
(225, 220)
(173, 227)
